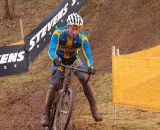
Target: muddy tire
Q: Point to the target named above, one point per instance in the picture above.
(64, 110)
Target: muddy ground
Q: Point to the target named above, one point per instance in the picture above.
(129, 25)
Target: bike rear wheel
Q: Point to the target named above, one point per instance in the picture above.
(64, 110)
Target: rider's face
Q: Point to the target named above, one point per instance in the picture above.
(73, 31)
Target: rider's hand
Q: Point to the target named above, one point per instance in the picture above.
(91, 70)
(57, 61)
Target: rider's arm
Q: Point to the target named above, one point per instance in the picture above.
(87, 52)
(53, 45)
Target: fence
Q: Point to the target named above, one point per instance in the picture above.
(136, 78)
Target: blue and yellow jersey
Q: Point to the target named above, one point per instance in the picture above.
(61, 45)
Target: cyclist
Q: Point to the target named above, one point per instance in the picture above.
(64, 47)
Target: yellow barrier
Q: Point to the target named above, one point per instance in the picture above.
(136, 78)
(17, 43)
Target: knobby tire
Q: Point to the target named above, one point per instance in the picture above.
(69, 94)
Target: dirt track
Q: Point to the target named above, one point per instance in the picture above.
(129, 25)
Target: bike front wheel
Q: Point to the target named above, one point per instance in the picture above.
(64, 110)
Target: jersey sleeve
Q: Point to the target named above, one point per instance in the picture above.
(87, 53)
(53, 45)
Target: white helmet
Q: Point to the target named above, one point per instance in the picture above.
(74, 19)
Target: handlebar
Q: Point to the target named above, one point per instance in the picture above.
(77, 69)
(74, 68)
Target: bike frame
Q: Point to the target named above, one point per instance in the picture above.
(65, 82)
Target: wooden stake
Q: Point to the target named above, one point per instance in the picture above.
(115, 117)
(117, 51)
(21, 27)
(113, 50)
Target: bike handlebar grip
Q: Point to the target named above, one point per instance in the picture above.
(91, 70)
(57, 62)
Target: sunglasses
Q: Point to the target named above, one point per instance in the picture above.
(75, 26)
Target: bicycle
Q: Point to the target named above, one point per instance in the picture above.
(62, 106)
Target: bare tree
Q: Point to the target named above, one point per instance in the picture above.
(9, 6)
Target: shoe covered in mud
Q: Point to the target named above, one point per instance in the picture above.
(93, 107)
(45, 120)
(97, 115)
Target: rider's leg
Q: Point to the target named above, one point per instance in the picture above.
(89, 94)
(50, 97)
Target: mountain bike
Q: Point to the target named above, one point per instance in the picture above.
(62, 106)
